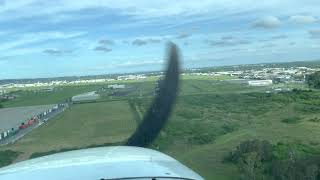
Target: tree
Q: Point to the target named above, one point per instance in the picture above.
(301, 169)
(251, 167)
(313, 80)
(312, 172)
(262, 148)
(250, 157)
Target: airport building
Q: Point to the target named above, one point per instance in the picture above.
(85, 97)
(260, 83)
(116, 86)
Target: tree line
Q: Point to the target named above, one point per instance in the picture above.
(260, 160)
(313, 80)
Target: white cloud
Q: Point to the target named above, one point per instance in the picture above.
(279, 37)
(130, 63)
(21, 51)
(30, 38)
(106, 42)
(292, 43)
(268, 45)
(138, 8)
(140, 63)
(102, 49)
(183, 35)
(56, 52)
(315, 46)
(151, 9)
(267, 22)
(13, 5)
(315, 33)
(227, 41)
(139, 42)
(303, 19)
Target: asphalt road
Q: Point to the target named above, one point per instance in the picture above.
(23, 132)
(13, 117)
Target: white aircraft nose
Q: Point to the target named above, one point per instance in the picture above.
(118, 162)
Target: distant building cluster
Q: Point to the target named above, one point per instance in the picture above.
(65, 82)
(221, 73)
(277, 75)
(5, 97)
(132, 77)
(54, 83)
(291, 74)
(2, 92)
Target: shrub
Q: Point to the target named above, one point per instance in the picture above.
(7, 157)
(204, 138)
(291, 120)
(262, 148)
(261, 160)
(314, 120)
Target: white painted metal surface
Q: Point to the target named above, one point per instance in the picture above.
(100, 163)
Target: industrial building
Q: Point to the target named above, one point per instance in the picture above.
(260, 83)
(116, 86)
(85, 97)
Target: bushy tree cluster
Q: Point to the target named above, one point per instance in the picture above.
(313, 80)
(7, 157)
(263, 149)
(307, 168)
(260, 160)
(250, 156)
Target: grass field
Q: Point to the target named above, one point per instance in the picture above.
(210, 119)
(80, 126)
(58, 95)
(143, 88)
(211, 125)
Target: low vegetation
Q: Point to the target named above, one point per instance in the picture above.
(7, 157)
(1, 102)
(259, 160)
(314, 120)
(40, 154)
(33, 97)
(291, 120)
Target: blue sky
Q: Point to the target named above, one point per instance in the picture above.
(45, 38)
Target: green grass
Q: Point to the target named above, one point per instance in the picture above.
(58, 95)
(281, 150)
(80, 126)
(143, 88)
(7, 157)
(211, 125)
(32, 96)
(291, 120)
